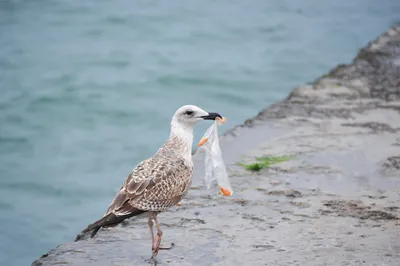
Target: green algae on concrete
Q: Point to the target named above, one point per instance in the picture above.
(265, 162)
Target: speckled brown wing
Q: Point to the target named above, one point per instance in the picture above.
(154, 185)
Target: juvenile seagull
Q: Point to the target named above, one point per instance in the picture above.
(158, 182)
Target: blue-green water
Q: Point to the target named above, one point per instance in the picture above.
(87, 90)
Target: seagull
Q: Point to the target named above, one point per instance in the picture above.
(158, 182)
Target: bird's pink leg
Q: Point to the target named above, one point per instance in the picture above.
(150, 222)
(157, 247)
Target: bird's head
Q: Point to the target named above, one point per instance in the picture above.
(188, 115)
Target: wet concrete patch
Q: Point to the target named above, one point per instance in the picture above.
(288, 193)
(356, 209)
(374, 127)
(391, 164)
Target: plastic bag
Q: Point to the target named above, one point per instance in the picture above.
(214, 165)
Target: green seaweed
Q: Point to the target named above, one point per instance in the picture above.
(255, 167)
(265, 162)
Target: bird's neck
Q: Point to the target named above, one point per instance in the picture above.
(180, 140)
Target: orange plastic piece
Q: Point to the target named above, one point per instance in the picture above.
(221, 120)
(225, 192)
(202, 141)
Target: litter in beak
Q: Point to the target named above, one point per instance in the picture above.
(220, 120)
(214, 164)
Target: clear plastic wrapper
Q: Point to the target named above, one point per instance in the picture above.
(214, 165)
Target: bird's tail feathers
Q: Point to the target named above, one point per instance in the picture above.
(108, 220)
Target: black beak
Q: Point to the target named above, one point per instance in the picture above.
(211, 116)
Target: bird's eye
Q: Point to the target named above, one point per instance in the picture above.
(189, 112)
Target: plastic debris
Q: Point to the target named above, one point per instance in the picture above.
(214, 165)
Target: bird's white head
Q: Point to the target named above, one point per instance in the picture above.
(187, 116)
